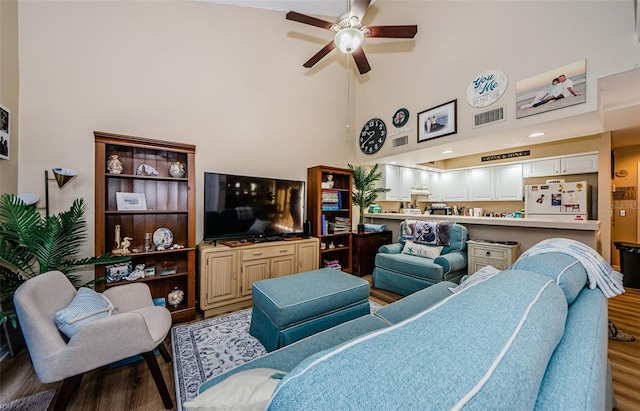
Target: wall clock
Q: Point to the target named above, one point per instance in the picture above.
(372, 136)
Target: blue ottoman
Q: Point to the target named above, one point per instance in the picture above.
(287, 309)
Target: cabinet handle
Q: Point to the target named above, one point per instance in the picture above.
(257, 253)
(284, 251)
(488, 253)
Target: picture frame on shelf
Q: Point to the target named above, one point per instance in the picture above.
(438, 121)
(131, 201)
(117, 272)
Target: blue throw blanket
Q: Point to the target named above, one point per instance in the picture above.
(599, 273)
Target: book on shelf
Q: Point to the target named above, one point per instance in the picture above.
(331, 200)
(332, 264)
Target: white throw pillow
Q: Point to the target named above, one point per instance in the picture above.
(428, 251)
(245, 390)
(482, 274)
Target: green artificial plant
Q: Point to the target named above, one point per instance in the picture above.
(31, 244)
(365, 191)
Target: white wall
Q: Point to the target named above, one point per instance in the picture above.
(227, 79)
(230, 79)
(457, 40)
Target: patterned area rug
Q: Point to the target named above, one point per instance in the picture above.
(210, 347)
(36, 402)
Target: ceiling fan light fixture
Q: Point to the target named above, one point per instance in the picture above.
(348, 39)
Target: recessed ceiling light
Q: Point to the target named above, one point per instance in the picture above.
(447, 152)
(392, 162)
(534, 135)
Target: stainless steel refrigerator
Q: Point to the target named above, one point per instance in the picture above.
(557, 200)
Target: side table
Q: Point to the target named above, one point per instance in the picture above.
(483, 253)
(365, 248)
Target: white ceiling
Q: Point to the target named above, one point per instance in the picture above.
(315, 7)
(618, 101)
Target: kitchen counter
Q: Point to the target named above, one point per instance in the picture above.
(526, 231)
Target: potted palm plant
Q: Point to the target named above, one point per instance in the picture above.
(31, 244)
(365, 191)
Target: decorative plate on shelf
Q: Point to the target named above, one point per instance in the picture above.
(163, 237)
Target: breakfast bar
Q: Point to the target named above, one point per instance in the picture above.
(526, 231)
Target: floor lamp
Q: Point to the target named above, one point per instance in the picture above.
(63, 176)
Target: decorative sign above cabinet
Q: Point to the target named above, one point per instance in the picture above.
(507, 155)
(487, 88)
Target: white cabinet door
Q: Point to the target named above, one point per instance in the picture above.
(407, 178)
(454, 185)
(482, 184)
(543, 168)
(579, 164)
(508, 183)
(390, 179)
(429, 179)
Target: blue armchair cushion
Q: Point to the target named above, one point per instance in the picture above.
(562, 268)
(421, 250)
(411, 265)
(86, 306)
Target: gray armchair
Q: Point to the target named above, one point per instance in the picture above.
(138, 328)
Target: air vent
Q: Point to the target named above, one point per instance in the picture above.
(400, 141)
(488, 117)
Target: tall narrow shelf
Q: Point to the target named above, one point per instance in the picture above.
(170, 204)
(328, 205)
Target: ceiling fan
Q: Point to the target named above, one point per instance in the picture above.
(350, 33)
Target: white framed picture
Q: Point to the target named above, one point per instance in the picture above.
(5, 142)
(131, 201)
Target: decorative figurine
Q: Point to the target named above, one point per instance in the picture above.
(329, 183)
(114, 165)
(137, 273)
(175, 297)
(147, 243)
(177, 170)
(116, 242)
(126, 242)
(146, 170)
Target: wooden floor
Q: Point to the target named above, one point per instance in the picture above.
(131, 387)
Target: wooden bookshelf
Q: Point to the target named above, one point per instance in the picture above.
(170, 204)
(329, 210)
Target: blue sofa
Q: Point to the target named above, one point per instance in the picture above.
(404, 274)
(525, 338)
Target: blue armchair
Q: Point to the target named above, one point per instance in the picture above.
(399, 270)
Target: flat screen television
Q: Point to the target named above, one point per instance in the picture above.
(246, 207)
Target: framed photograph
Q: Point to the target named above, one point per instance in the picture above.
(131, 201)
(117, 272)
(5, 142)
(438, 121)
(558, 88)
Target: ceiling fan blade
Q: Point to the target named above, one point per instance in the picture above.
(396, 32)
(319, 55)
(358, 8)
(303, 18)
(361, 61)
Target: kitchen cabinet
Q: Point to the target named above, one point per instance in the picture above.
(390, 176)
(429, 179)
(226, 274)
(482, 184)
(454, 185)
(581, 164)
(508, 183)
(399, 180)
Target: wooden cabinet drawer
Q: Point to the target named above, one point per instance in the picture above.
(490, 253)
(269, 252)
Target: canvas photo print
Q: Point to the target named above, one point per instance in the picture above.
(558, 88)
